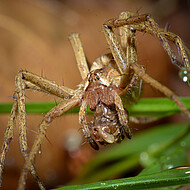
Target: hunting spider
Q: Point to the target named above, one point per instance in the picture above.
(112, 80)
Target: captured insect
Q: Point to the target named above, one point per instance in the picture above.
(113, 81)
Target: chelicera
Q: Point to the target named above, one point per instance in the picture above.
(112, 80)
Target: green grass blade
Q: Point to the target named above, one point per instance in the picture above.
(129, 154)
(145, 107)
(160, 179)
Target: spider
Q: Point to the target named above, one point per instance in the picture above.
(113, 80)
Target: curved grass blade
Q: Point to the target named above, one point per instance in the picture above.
(161, 179)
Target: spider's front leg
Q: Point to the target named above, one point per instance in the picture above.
(145, 23)
(121, 61)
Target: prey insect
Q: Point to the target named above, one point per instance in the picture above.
(113, 81)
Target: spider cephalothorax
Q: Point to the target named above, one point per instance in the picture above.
(111, 83)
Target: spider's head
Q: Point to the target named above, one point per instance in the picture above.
(95, 75)
(98, 76)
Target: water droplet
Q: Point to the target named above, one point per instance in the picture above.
(39, 152)
(188, 172)
(170, 166)
(115, 186)
(103, 183)
(185, 79)
(184, 74)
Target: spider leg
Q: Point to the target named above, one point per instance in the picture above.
(8, 136)
(120, 58)
(128, 38)
(147, 24)
(20, 96)
(143, 119)
(85, 129)
(48, 118)
(41, 84)
(166, 45)
(79, 54)
(128, 43)
(25, 80)
(166, 91)
(116, 49)
(123, 116)
(182, 48)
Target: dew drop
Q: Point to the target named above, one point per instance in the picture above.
(115, 186)
(184, 74)
(185, 79)
(170, 166)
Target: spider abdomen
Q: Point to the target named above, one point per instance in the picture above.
(106, 128)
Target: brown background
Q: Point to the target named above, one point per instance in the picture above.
(33, 36)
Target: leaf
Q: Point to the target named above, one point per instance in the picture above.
(158, 107)
(160, 179)
(142, 150)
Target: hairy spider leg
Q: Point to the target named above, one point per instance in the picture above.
(59, 109)
(128, 43)
(79, 54)
(85, 129)
(123, 115)
(55, 112)
(157, 85)
(8, 136)
(145, 23)
(26, 80)
(182, 48)
(120, 58)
